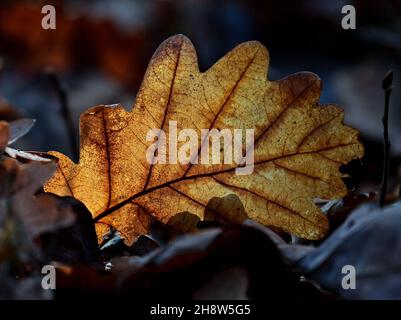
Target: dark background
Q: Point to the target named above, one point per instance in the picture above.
(100, 51)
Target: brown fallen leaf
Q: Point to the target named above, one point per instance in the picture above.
(24, 215)
(4, 135)
(299, 145)
(75, 243)
(18, 184)
(197, 266)
(8, 112)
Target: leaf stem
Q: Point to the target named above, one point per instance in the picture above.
(387, 87)
(65, 111)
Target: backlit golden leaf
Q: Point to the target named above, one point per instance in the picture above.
(299, 145)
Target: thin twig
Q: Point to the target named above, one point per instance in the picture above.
(387, 87)
(65, 111)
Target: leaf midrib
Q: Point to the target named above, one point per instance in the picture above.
(202, 175)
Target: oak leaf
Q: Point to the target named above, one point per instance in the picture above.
(299, 145)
